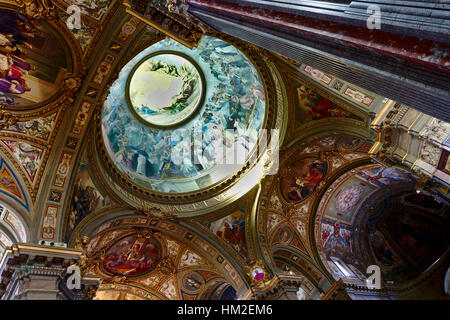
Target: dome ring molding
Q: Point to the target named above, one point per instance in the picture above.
(198, 105)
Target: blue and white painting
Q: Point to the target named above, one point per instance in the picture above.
(189, 156)
(165, 90)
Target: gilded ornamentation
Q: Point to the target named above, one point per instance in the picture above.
(90, 291)
(146, 232)
(154, 212)
(6, 118)
(72, 83)
(385, 134)
(82, 245)
(258, 275)
(115, 280)
(38, 9)
(169, 17)
(167, 266)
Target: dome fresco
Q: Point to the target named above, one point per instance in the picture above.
(161, 132)
(165, 89)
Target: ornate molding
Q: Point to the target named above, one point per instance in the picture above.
(38, 9)
(258, 275)
(138, 196)
(386, 134)
(169, 17)
(6, 118)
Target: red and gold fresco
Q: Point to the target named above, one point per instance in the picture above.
(145, 258)
(133, 255)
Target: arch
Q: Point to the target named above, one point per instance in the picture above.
(225, 267)
(340, 151)
(351, 220)
(15, 202)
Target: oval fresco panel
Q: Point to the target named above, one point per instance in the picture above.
(133, 255)
(192, 282)
(305, 174)
(32, 61)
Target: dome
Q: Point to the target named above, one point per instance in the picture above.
(180, 119)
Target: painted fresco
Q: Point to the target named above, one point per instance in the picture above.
(284, 235)
(85, 199)
(232, 229)
(350, 143)
(226, 123)
(192, 282)
(336, 241)
(190, 258)
(32, 61)
(421, 239)
(12, 220)
(138, 255)
(27, 155)
(165, 89)
(403, 232)
(94, 8)
(133, 255)
(312, 106)
(303, 178)
(10, 186)
(37, 127)
(16, 224)
(382, 176)
(4, 240)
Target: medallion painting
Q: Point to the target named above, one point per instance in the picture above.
(304, 176)
(32, 61)
(133, 255)
(165, 89)
(192, 282)
(347, 198)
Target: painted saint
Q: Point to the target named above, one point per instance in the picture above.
(32, 61)
(133, 255)
(298, 186)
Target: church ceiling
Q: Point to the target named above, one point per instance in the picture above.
(304, 170)
(180, 265)
(357, 215)
(87, 149)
